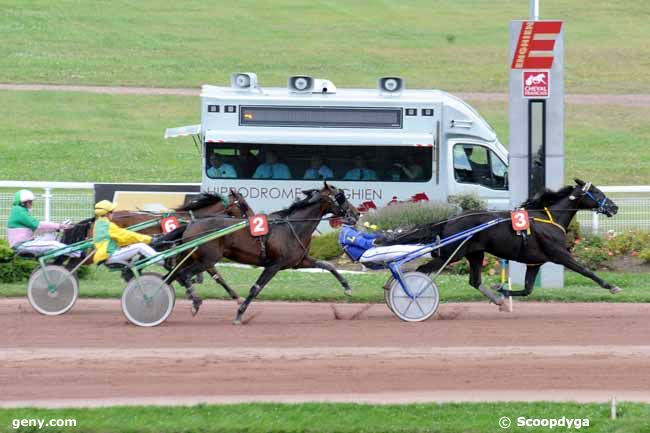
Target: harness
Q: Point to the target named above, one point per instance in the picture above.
(549, 220)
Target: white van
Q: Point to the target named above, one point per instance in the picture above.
(377, 144)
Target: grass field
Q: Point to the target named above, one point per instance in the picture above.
(449, 44)
(304, 286)
(334, 418)
(60, 136)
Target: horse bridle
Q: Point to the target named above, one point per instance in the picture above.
(585, 192)
(241, 207)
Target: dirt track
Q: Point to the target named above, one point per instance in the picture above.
(300, 352)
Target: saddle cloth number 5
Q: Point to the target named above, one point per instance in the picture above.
(169, 224)
(258, 224)
(520, 220)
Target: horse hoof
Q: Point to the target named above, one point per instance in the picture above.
(614, 290)
(239, 301)
(505, 308)
(236, 322)
(347, 292)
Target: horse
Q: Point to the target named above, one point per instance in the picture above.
(286, 246)
(550, 213)
(202, 206)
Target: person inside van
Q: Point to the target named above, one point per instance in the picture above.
(272, 168)
(360, 170)
(318, 170)
(411, 169)
(247, 161)
(219, 169)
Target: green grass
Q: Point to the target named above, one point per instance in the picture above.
(331, 418)
(604, 144)
(303, 286)
(60, 136)
(449, 44)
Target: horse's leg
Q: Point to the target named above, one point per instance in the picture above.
(216, 276)
(310, 262)
(475, 260)
(431, 266)
(262, 281)
(184, 277)
(566, 259)
(529, 282)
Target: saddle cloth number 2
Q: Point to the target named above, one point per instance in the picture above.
(259, 226)
(520, 220)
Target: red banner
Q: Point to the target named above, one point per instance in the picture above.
(535, 46)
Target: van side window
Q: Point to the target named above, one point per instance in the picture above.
(353, 163)
(479, 165)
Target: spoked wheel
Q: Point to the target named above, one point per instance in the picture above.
(424, 302)
(147, 300)
(52, 290)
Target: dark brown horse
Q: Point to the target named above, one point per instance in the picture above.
(205, 205)
(550, 214)
(286, 246)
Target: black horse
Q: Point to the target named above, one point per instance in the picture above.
(550, 214)
(286, 246)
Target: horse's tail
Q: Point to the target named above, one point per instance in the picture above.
(78, 232)
(422, 234)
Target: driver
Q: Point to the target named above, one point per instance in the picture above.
(22, 225)
(114, 244)
(364, 247)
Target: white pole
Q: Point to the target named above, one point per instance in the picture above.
(47, 196)
(534, 10)
(595, 223)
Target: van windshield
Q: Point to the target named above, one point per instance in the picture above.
(319, 162)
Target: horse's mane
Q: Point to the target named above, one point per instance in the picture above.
(300, 204)
(547, 198)
(202, 201)
(78, 232)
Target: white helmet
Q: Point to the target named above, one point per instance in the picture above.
(25, 195)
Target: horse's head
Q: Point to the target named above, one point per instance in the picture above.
(78, 232)
(334, 201)
(588, 196)
(237, 205)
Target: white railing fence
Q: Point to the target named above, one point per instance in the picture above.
(633, 211)
(58, 201)
(55, 201)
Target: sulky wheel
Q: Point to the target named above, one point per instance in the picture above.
(147, 300)
(424, 302)
(52, 290)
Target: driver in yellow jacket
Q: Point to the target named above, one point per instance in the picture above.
(114, 244)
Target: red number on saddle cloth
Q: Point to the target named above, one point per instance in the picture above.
(258, 225)
(519, 219)
(169, 224)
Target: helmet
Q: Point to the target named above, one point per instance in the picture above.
(104, 207)
(24, 195)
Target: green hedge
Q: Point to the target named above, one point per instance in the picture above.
(13, 269)
(326, 246)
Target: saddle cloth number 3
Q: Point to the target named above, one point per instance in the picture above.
(520, 220)
(259, 226)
